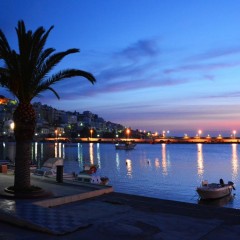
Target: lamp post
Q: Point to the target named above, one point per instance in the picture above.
(12, 126)
(127, 132)
(234, 133)
(163, 133)
(91, 132)
(199, 133)
(56, 133)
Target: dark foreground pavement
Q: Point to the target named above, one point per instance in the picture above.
(75, 211)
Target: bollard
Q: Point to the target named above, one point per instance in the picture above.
(59, 175)
(4, 168)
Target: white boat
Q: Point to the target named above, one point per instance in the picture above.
(94, 179)
(49, 169)
(88, 175)
(125, 145)
(215, 190)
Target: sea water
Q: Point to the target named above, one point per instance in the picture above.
(165, 171)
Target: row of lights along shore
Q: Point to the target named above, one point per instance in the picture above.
(164, 134)
(233, 135)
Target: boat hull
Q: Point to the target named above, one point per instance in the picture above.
(88, 178)
(125, 146)
(208, 192)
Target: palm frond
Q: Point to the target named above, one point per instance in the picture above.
(5, 50)
(54, 59)
(69, 73)
(26, 74)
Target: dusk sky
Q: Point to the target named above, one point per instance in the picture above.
(160, 64)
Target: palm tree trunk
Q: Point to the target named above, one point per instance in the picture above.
(22, 170)
(24, 131)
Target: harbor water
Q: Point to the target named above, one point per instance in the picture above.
(165, 171)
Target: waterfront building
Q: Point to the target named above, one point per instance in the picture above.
(50, 120)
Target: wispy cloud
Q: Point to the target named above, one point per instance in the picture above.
(225, 95)
(202, 67)
(215, 53)
(133, 68)
(142, 49)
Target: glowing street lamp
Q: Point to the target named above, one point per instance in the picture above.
(234, 133)
(56, 134)
(12, 126)
(127, 132)
(185, 135)
(91, 132)
(164, 133)
(199, 133)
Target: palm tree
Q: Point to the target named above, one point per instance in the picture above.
(26, 74)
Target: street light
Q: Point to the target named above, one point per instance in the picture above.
(128, 132)
(163, 133)
(56, 132)
(234, 133)
(91, 132)
(12, 126)
(199, 133)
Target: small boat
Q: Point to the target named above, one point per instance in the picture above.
(88, 175)
(49, 169)
(125, 145)
(215, 190)
(94, 179)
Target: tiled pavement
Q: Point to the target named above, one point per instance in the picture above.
(40, 218)
(37, 213)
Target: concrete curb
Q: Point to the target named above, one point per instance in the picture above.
(73, 198)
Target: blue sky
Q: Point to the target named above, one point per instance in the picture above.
(160, 64)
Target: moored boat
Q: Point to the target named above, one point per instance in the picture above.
(94, 179)
(215, 190)
(49, 169)
(88, 175)
(125, 145)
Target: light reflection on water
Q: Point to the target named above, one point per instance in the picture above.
(200, 160)
(235, 170)
(129, 167)
(167, 171)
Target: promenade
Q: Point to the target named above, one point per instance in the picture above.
(208, 140)
(81, 211)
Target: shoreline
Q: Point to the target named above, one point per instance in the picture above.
(171, 140)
